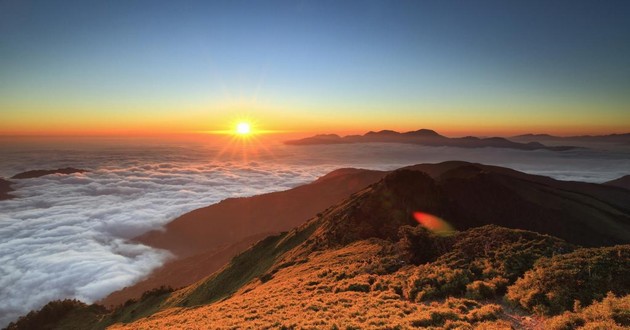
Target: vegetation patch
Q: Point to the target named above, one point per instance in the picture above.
(52, 315)
(610, 313)
(554, 284)
(479, 267)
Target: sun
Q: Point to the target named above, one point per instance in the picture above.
(243, 128)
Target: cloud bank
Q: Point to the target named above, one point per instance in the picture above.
(67, 236)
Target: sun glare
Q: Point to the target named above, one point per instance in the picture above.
(243, 128)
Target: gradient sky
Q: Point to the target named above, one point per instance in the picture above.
(459, 67)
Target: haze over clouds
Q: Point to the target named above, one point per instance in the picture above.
(67, 236)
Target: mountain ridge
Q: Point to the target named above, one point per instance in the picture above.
(618, 138)
(424, 137)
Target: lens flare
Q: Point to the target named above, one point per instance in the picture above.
(433, 223)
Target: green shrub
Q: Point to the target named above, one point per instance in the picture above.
(584, 275)
(358, 287)
(435, 318)
(155, 292)
(431, 282)
(418, 245)
(610, 313)
(480, 290)
(52, 313)
(481, 263)
(566, 321)
(265, 277)
(484, 313)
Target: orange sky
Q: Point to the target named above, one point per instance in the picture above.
(295, 124)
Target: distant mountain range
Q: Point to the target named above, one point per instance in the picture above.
(623, 138)
(425, 137)
(371, 260)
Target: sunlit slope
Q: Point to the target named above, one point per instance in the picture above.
(372, 283)
(206, 239)
(234, 219)
(184, 271)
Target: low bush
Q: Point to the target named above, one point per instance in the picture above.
(481, 263)
(52, 313)
(554, 284)
(155, 292)
(610, 313)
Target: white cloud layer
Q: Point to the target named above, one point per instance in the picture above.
(67, 236)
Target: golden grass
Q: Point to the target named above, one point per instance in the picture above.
(331, 290)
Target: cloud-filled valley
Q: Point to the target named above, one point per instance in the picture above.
(67, 236)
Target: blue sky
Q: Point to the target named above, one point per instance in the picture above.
(495, 63)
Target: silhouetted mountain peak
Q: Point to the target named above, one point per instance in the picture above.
(531, 135)
(40, 173)
(411, 191)
(423, 133)
(330, 136)
(381, 209)
(385, 132)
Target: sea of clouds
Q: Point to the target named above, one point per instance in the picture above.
(68, 236)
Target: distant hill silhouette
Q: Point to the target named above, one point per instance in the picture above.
(40, 173)
(5, 189)
(623, 182)
(425, 137)
(623, 138)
